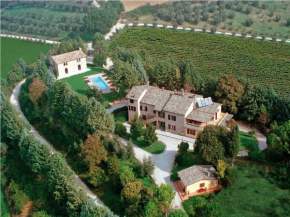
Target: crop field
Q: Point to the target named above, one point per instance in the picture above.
(268, 17)
(49, 22)
(13, 49)
(130, 5)
(262, 62)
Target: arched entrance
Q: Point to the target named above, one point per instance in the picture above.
(66, 70)
(79, 67)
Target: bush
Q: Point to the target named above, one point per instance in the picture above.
(120, 129)
(249, 22)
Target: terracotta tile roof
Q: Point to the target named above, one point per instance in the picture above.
(70, 56)
(194, 127)
(200, 116)
(136, 92)
(209, 108)
(179, 103)
(157, 97)
(196, 173)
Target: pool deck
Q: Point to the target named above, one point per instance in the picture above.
(111, 86)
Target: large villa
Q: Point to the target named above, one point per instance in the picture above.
(177, 112)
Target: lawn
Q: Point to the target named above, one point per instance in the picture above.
(13, 49)
(4, 207)
(155, 148)
(251, 195)
(247, 140)
(262, 62)
(80, 86)
(121, 114)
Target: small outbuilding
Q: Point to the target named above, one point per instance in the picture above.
(69, 64)
(198, 179)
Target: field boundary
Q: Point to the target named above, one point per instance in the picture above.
(30, 39)
(120, 26)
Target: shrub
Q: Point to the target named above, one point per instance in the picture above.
(213, 29)
(249, 22)
(120, 129)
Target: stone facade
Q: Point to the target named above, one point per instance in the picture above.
(176, 112)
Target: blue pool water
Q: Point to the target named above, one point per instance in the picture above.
(100, 83)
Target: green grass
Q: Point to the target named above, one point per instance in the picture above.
(4, 207)
(121, 114)
(262, 62)
(13, 49)
(247, 140)
(252, 195)
(80, 86)
(155, 148)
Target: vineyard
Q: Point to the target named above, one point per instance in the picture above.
(263, 63)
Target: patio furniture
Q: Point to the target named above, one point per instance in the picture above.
(87, 81)
(113, 84)
(107, 79)
(112, 89)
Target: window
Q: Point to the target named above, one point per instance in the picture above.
(173, 127)
(132, 108)
(189, 131)
(65, 64)
(172, 117)
(79, 60)
(169, 126)
(66, 70)
(131, 101)
(146, 108)
(201, 185)
(144, 117)
(141, 107)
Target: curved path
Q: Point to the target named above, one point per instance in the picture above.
(14, 100)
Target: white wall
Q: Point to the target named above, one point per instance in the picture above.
(72, 67)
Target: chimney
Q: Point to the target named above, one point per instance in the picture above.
(162, 88)
(182, 92)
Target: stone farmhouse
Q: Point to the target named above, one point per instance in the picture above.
(69, 64)
(177, 112)
(197, 179)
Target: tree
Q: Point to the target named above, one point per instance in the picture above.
(120, 129)
(114, 169)
(229, 92)
(249, 22)
(163, 196)
(94, 93)
(36, 89)
(149, 134)
(210, 144)
(288, 22)
(136, 127)
(221, 168)
(131, 193)
(99, 59)
(97, 176)
(233, 144)
(178, 213)
(183, 148)
(147, 167)
(127, 175)
(94, 151)
(152, 210)
(263, 115)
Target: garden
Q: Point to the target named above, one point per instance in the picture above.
(261, 62)
(13, 49)
(80, 86)
(250, 194)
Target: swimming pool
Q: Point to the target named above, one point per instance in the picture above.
(99, 82)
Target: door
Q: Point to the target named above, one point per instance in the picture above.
(66, 70)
